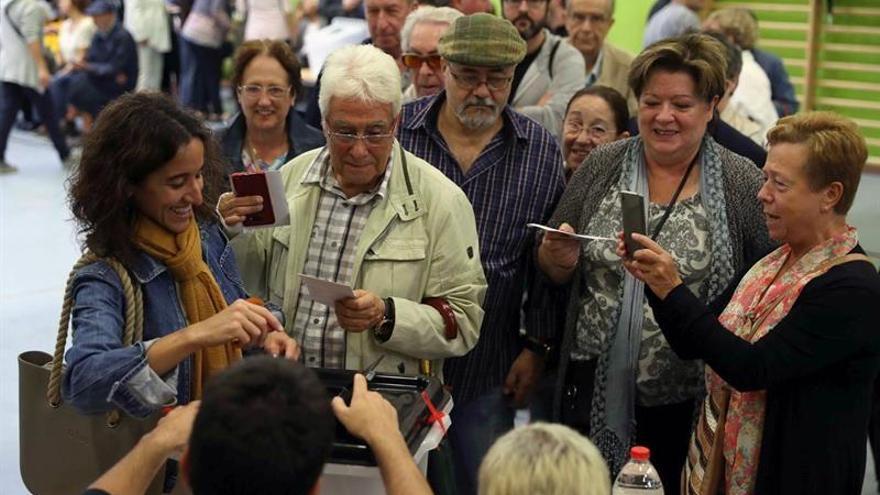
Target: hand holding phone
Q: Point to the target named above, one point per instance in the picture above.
(632, 207)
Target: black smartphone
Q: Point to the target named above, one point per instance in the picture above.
(632, 207)
(254, 184)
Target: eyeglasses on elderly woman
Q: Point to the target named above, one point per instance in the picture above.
(256, 91)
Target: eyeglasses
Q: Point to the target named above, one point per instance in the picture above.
(472, 81)
(533, 4)
(369, 138)
(414, 61)
(255, 91)
(594, 131)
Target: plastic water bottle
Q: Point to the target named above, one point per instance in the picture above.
(638, 476)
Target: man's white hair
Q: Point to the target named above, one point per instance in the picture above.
(361, 72)
(543, 458)
(427, 14)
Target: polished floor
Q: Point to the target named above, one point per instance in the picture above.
(38, 246)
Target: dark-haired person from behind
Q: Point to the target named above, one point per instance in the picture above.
(594, 116)
(144, 195)
(265, 427)
(793, 357)
(267, 132)
(282, 435)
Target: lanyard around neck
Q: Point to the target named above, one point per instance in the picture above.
(668, 212)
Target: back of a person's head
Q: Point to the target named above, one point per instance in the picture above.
(737, 23)
(264, 427)
(732, 54)
(544, 459)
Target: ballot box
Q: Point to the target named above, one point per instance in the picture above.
(423, 407)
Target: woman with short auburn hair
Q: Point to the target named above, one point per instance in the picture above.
(792, 359)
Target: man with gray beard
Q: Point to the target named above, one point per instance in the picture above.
(511, 170)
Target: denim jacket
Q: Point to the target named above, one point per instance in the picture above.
(101, 374)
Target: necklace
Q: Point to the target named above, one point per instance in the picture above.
(259, 162)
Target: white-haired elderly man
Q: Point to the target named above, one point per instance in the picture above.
(369, 215)
(419, 38)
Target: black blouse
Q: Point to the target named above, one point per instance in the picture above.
(818, 366)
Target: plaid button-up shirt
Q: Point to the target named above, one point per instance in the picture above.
(517, 179)
(339, 222)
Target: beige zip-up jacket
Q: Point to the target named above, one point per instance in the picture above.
(419, 241)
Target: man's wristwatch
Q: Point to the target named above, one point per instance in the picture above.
(382, 332)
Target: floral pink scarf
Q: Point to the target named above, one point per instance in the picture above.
(761, 298)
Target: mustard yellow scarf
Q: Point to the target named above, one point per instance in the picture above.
(199, 292)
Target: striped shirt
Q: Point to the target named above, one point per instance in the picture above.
(516, 179)
(339, 222)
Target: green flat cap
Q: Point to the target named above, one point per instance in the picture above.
(483, 40)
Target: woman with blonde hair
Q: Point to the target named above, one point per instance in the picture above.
(793, 357)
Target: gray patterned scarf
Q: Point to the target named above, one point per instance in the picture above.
(612, 419)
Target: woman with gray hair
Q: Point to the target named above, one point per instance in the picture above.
(619, 379)
(544, 458)
(419, 39)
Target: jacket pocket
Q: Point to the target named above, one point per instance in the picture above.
(396, 267)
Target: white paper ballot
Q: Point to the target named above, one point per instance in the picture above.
(279, 198)
(582, 237)
(325, 291)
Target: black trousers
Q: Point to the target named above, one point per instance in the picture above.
(666, 430)
(11, 98)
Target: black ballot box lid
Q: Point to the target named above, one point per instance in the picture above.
(404, 392)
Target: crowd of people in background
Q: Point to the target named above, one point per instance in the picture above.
(412, 163)
(65, 61)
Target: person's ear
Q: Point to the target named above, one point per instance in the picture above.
(712, 106)
(623, 135)
(831, 196)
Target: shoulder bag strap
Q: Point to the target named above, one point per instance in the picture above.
(134, 319)
(11, 22)
(552, 56)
